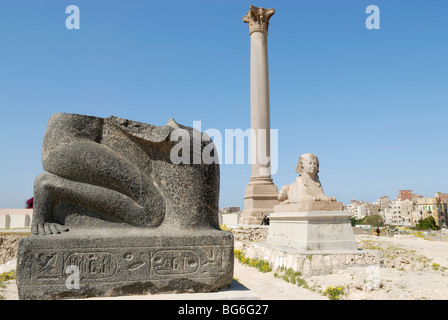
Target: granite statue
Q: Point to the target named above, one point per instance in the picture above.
(119, 170)
(112, 202)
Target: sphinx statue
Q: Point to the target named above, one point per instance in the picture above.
(306, 193)
(306, 219)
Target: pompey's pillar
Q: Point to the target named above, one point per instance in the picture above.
(261, 193)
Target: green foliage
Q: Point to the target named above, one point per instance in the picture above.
(355, 221)
(261, 265)
(8, 276)
(375, 220)
(291, 276)
(427, 224)
(334, 292)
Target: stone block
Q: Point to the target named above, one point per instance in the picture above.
(309, 205)
(124, 261)
(314, 230)
(310, 263)
(125, 208)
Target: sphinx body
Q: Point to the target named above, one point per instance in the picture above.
(307, 186)
(306, 219)
(301, 191)
(306, 193)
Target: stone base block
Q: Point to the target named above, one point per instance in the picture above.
(235, 291)
(311, 263)
(309, 205)
(258, 198)
(312, 230)
(126, 261)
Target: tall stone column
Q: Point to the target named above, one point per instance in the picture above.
(261, 193)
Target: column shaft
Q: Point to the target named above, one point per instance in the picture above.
(259, 104)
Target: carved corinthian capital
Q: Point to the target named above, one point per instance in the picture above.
(258, 19)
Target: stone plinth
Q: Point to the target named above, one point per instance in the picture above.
(124, 261)
(309, 205)
(258, 198)
(312, 230)
(311, 263)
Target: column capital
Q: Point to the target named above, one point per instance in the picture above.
(258, 19)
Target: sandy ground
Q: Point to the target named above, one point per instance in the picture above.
(269, 287)
(411, 268)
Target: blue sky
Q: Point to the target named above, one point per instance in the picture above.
(371, 104)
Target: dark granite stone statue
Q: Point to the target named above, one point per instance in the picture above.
(113, 209)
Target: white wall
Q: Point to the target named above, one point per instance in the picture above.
(229, 219)
(15, 218)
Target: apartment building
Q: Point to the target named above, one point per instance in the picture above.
(401, 212)
(360, 209)
(435, 207)
(408, 195)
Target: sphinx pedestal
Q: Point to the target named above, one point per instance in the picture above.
(311, 242)
(123, 261)
(312, 230)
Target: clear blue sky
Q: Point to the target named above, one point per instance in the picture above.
(371, 104)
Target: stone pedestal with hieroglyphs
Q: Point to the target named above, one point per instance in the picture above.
(115, 215)
(125, 261)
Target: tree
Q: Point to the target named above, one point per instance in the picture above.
(427, 224)
(355, 221)
(375, 220)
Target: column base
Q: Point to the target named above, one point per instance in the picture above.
(261, 196)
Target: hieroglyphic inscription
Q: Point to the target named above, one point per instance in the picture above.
(135, 263)
(175, 262)
(134, 260)
(214, 260)
(46, 266)
(93, 265)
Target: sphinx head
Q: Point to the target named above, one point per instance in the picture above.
(308, 163)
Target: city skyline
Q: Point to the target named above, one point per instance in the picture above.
(369, 103)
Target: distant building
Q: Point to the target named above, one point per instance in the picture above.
(442, 196)
(435, 207)
(229, 209)
(360, 209)
(406, 210)
(383, 202)
(401, 212)
(408, 195)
